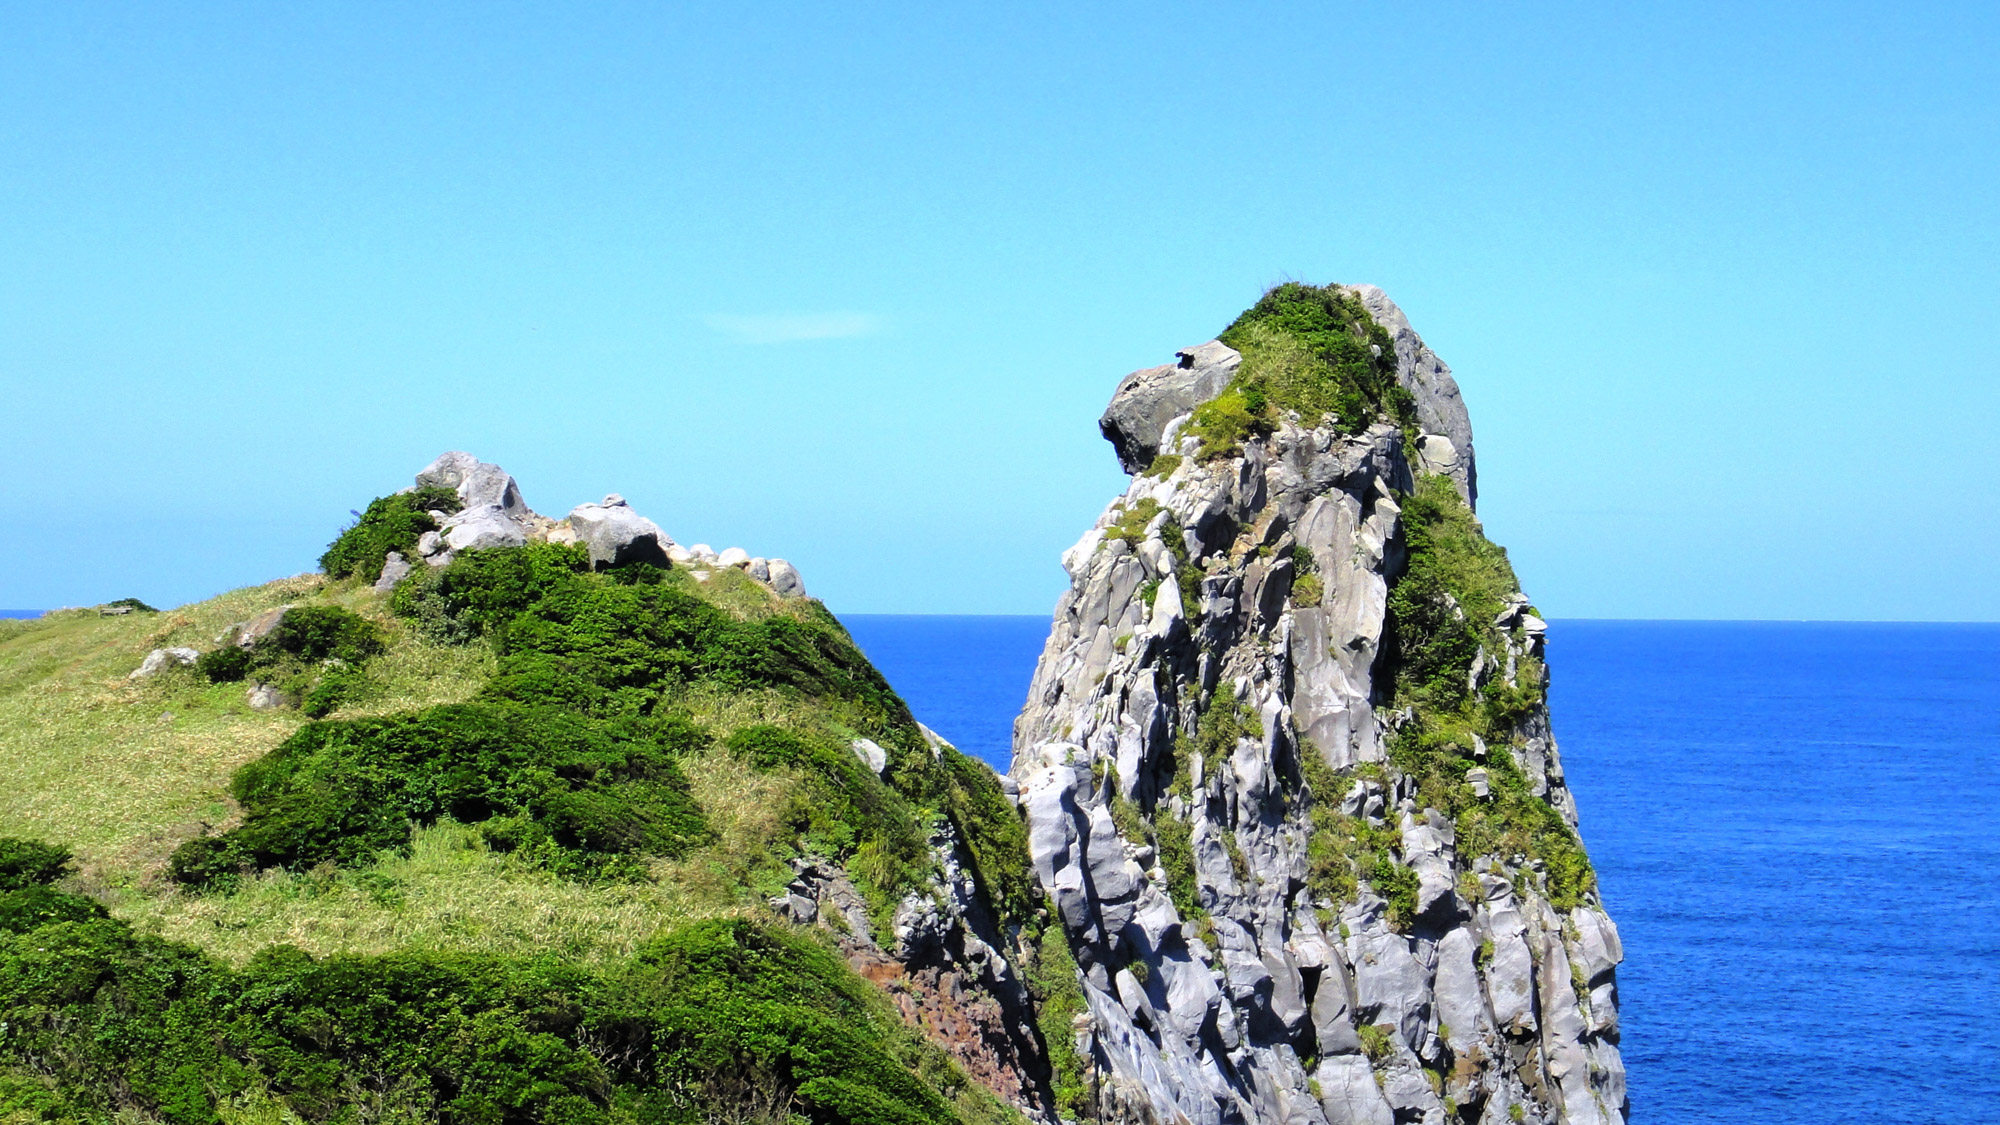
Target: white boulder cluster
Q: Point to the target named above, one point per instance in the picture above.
(1268, 1006)
(494, 515)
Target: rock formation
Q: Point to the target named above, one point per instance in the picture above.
(1304, 883)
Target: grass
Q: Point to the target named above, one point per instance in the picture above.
(1310, 351)
(453, 893)
(124, 772)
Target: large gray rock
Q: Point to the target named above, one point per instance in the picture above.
(616, 535)
(1202, 609)
(1147, 400)
(785, 579)
(478, 483)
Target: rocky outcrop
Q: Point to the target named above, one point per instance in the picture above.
(1206, 753)
(616, 535)
(946, 962)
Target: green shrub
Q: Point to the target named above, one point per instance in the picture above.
(314, 652)
(846, 812)
(28, 863)
(25, 909)
(392, 523)
(133, 604)
(1051, 974)
(225, 665)
(579, 793)
(720, 1020)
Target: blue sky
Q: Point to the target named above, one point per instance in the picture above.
(850, 285)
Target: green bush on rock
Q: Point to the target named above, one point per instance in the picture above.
(392, 523)
(1310, 350)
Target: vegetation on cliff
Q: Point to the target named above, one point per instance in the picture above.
(515, 869)
(1307, 349)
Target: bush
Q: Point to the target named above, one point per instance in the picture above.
(28, 863)
(719, 1020)
(577, 793)
(25, 909)
(132, 604)
(392, 523)
(846, 812)
(225, 665)
(315, 652)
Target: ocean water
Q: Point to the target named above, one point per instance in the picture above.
(1796, 827)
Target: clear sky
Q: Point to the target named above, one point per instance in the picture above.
(850, 285)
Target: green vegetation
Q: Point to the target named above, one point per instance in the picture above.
(1051, 975)
(503, 878)
(1441, 614)
(1306, 588)
(1313, 350)
(133, 605)
(1131, 527)
(719, 1020)
(392, 523)
(1163, 465)
(314, 654)
(578, 794)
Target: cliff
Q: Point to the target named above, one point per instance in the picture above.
(1286, 761)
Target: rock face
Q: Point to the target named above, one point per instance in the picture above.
(1214, 738)
(616, 535)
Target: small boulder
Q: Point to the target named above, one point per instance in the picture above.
(265, 697)
(616, 535)
(871, 754)
(243, 634)
(785, 579)
(161, 659)
(394, 569)
(734, 556)
(484, 526)
(760, 569)
(702, 552)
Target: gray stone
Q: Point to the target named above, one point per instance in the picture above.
(482, 527)
(785, 579)
(161, 659)
(871, 755)
(394, 569)
(1147, 400)
(616, 535)
(265, 697)
(478, 484)
(733, 556)
(244, 634)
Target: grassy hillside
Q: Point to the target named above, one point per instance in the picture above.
(548, 782)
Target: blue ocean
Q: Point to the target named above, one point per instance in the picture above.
(1796, 827)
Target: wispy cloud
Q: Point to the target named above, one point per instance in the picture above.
(787, 328)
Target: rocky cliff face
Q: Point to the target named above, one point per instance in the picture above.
(1286, 765)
